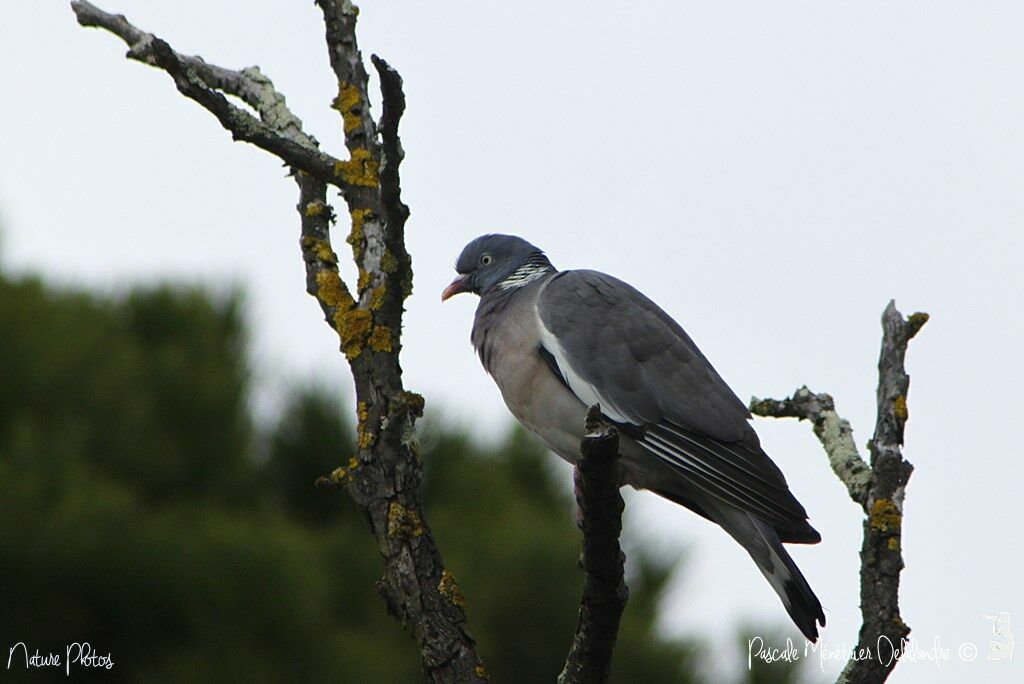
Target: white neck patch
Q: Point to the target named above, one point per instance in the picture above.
(526, 273)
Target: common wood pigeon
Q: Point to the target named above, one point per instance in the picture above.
(557, 342)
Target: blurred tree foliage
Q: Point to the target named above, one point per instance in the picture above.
(136, 514)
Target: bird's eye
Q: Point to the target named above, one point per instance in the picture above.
(486, 259)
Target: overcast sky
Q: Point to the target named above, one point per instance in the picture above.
(770, 173)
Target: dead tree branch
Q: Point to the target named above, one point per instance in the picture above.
(277, 130)
(834, 432)
(384, 477)
(604, 586)
(879, 490)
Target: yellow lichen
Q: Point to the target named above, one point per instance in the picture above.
(894, 544)
(348, 96)
(364, 280)
(388, 262)
(900, 407)
(377, 298)
(450, 590)
(363, 433)
(338, 475)
(347, 101)
(884, 516)
(380, 339)
(315, 208)
(361, 169)
(403, 521)
(320, 248)
(481, 672)
(353, 326)
(324, 253)
(355, 237)
(350, 121)
(331, 291)
(365, 437)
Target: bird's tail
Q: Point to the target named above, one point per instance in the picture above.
(762, 543)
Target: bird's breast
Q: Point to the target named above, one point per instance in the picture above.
(509, 348)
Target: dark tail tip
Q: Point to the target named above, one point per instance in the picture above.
(803, 606)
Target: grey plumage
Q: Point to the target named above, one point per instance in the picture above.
(558, 342)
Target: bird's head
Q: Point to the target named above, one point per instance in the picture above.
(491, 259)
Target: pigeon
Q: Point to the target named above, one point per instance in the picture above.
(557, 342)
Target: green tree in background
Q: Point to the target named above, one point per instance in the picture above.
(134, 514)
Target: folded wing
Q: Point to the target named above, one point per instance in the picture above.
(615, 347)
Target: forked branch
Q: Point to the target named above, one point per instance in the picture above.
(879, 490)
(384, 476)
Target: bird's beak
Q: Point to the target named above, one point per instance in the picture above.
(460, 284)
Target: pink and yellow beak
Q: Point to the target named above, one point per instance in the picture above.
(459, 285)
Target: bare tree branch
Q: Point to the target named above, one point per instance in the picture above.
(604, 586)
(384, 477)
(833, 431)
(277, 131)
(878, 489)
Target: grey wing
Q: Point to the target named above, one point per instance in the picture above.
(619, 344)
(614, 346)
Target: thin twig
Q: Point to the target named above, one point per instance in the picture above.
(277, 131)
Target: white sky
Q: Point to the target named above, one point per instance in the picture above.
(770, 173)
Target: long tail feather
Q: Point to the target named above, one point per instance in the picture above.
(762, 543)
